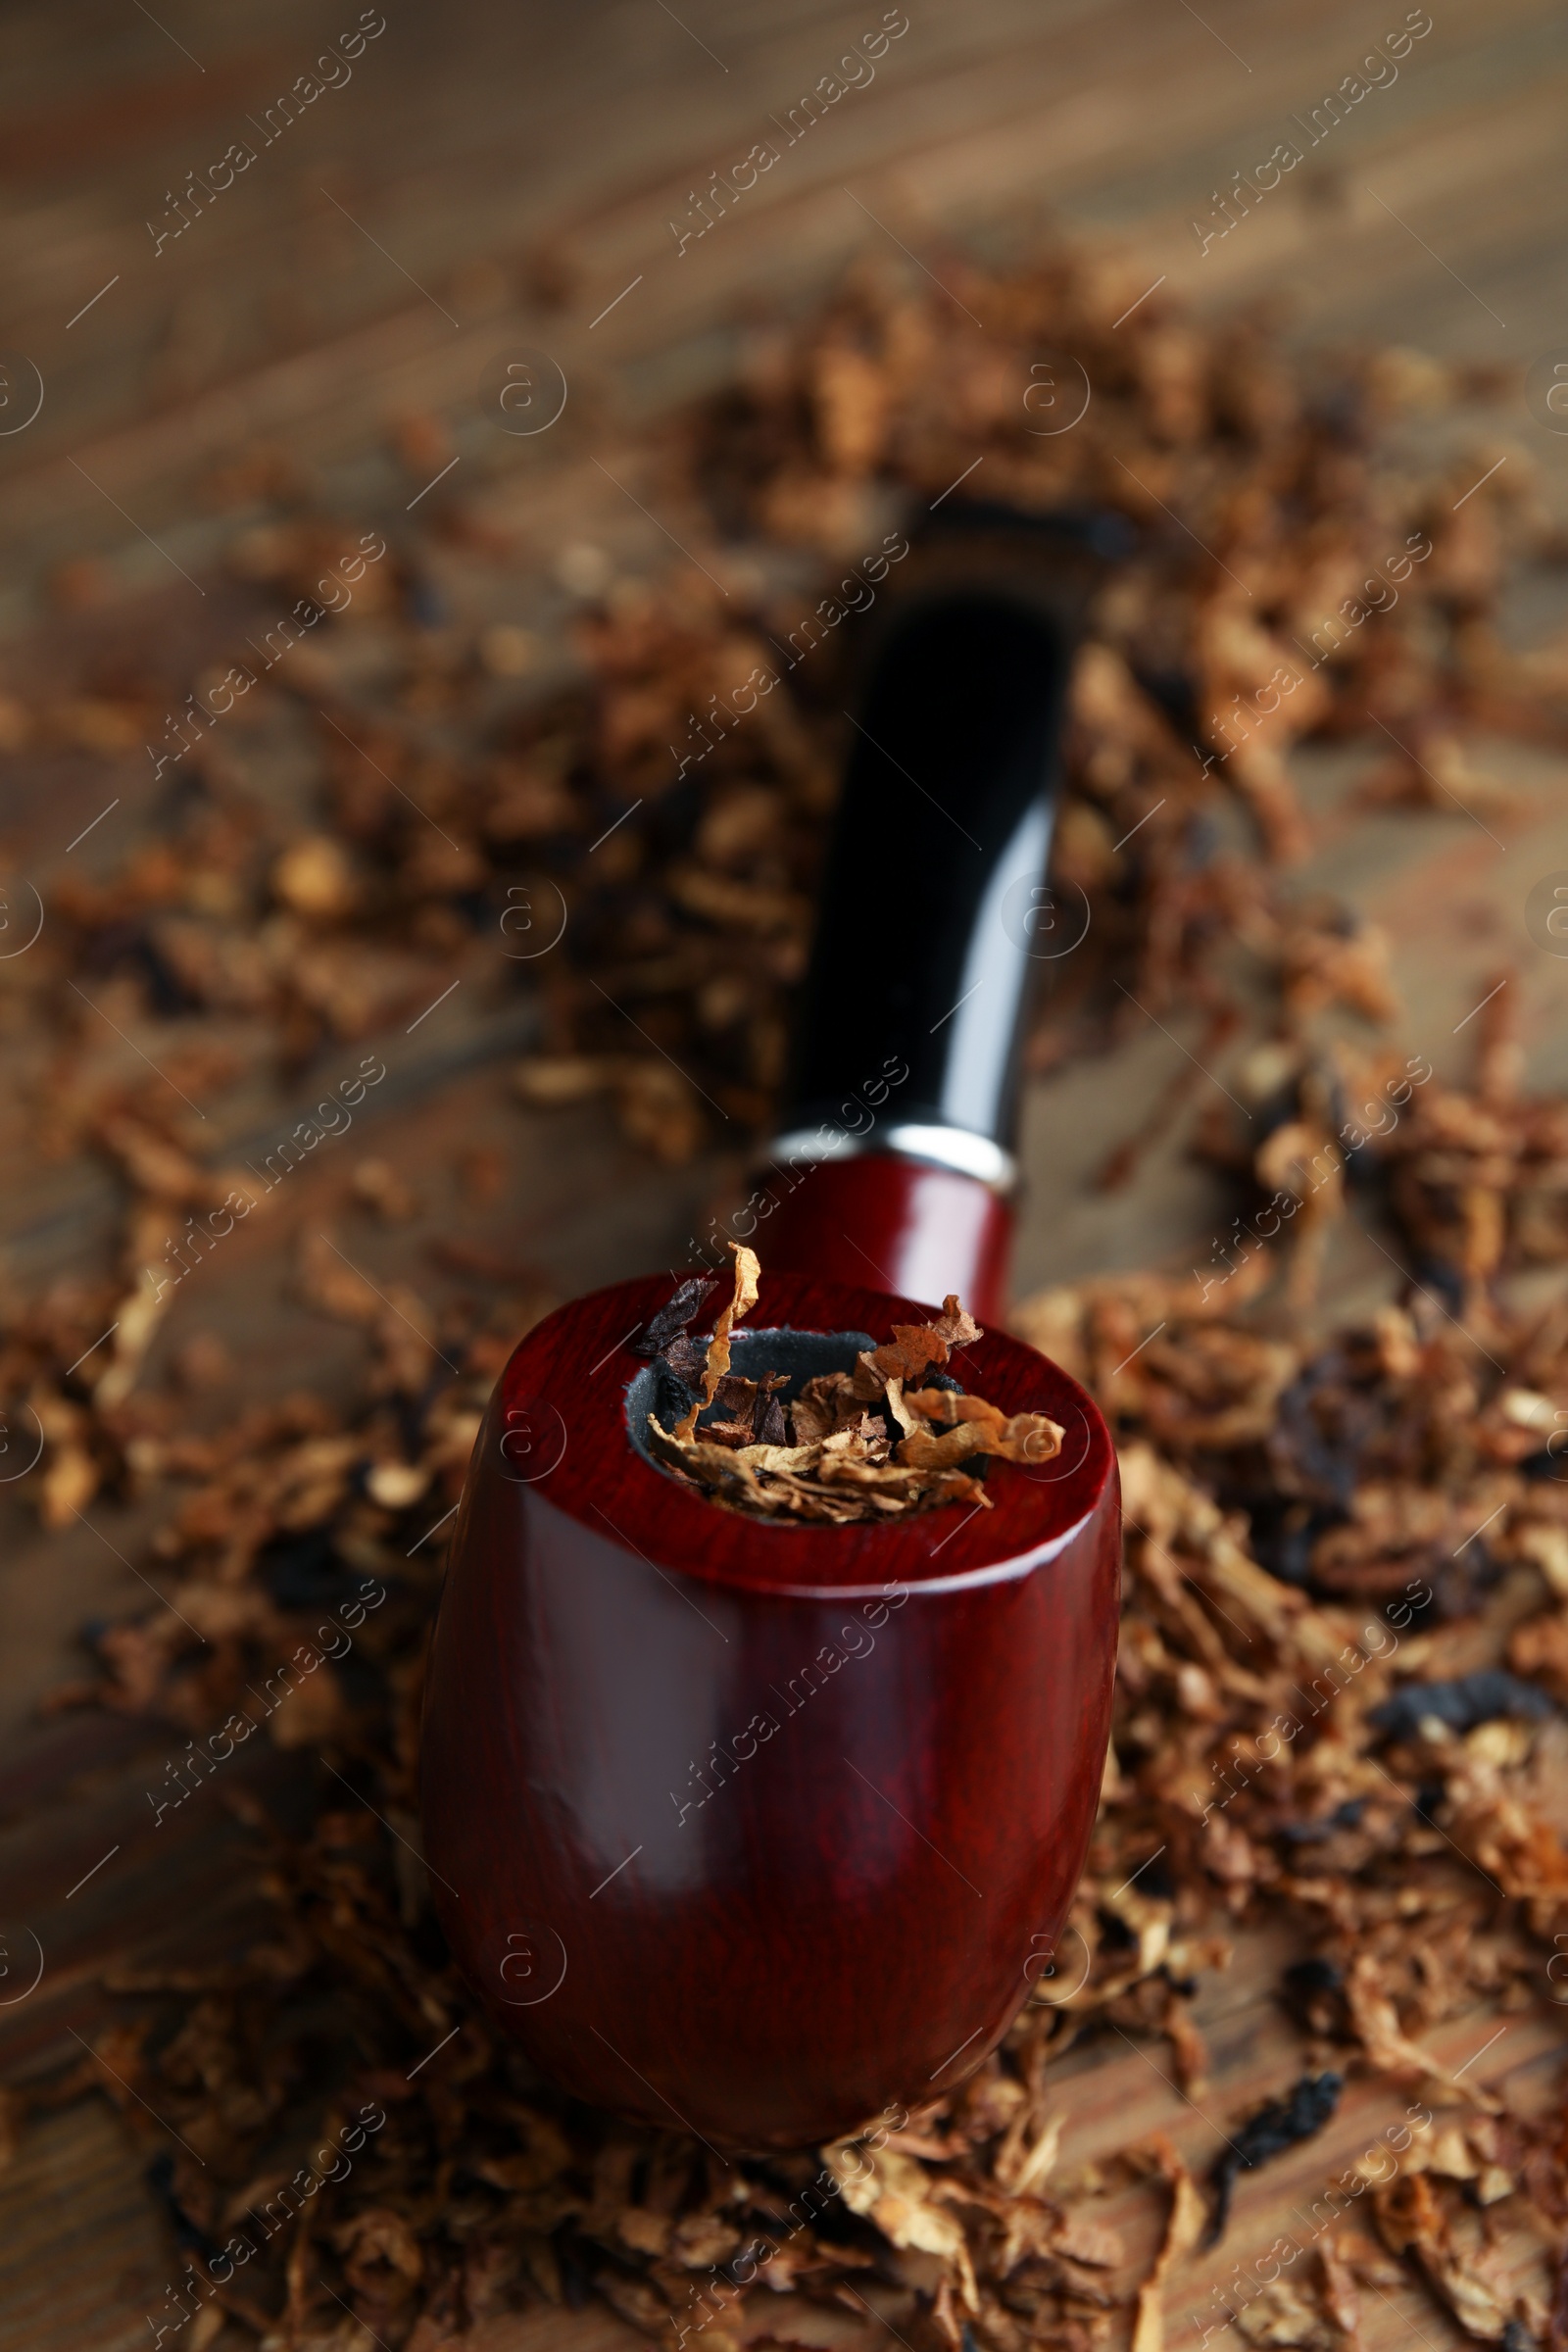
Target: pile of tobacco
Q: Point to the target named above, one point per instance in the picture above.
(872, 1444)
(1343, 1701)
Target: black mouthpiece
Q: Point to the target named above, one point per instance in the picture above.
(935, 914)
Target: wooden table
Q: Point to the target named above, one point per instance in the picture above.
(522, 167)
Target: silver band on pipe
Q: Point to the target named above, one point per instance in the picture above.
(936, 1146)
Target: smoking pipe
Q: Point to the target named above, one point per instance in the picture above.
(761, 1830)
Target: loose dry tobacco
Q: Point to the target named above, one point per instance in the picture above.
(861, 1444)
(1318, 1531)
(1421, 1864)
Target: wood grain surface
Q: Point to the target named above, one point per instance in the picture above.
(501, 175)
(492, 177)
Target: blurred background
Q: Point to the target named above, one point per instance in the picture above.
(416, 425)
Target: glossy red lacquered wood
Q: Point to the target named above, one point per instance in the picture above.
(848, 1916)
(918, 1230)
